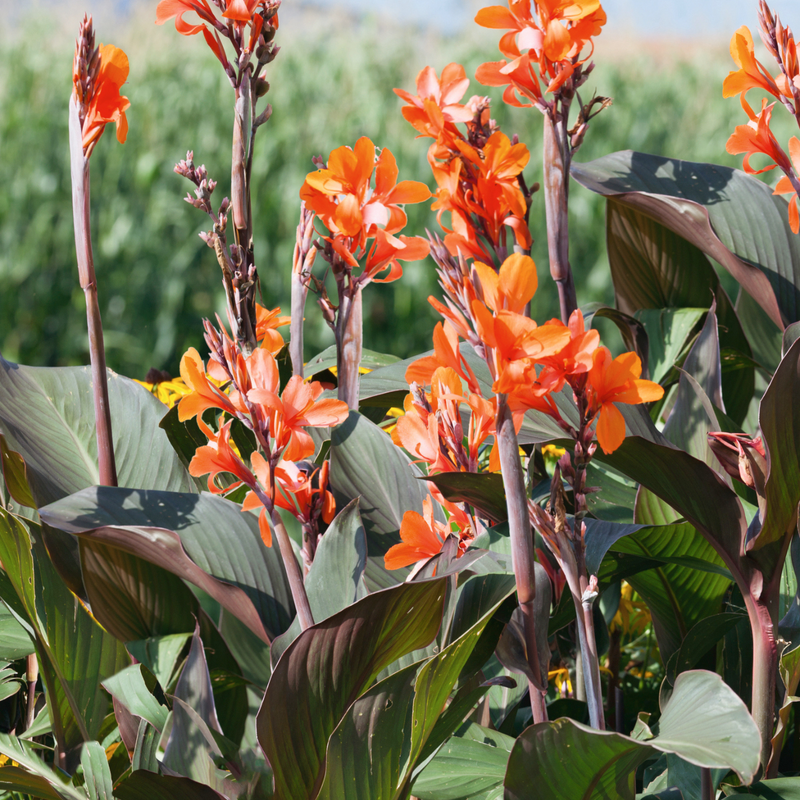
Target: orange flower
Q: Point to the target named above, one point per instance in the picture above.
(444, 93)
(422, 537)
(217, 457)
(513, 287)
(751, 73)
(266, 324)
(574, 359)
(341, 194)
(105, 104)
(555, 43)
(785, 185)
(204, 394)
(295, 492)
(296, 409)
(613, 382)
(446, 353)
(175, 9)
(756, 137)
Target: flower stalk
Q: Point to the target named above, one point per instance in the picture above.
(522, 551)
(97, 75)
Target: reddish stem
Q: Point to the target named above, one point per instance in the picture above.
(556, 162)
(348, 344)
(522, 552)
(83, 248)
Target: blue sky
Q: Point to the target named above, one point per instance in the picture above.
(692, 18)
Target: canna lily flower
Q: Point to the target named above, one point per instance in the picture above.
(616, 381)
(444, 92)
(97, 96)
(294, 491)
(296, 409)
(446, 353)
(204, 394)
(342, 197)
(574, 359)
(422, 538)
(785, 185)
(218, 456)
(266, 324)
(513, 287)
(756, 137)
(751, 73)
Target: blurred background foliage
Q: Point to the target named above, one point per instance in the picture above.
(331, 83)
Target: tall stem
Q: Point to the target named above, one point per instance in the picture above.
(522, 553)
(556, 162)
(79, 165)
(765, 669)
(348, 342)
(299, 295)
(296, 584)
(591, 667)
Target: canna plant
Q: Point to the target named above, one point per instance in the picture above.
(280, 583)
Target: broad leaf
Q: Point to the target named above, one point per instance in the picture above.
(668, 332)
(689, 586)
(326, 669)
(483, 490)
(464, 767)
(144, 785)
(203, 539)
(96, 772)
(730, 216)
(60, 449)
(129, 688)
(703, 722)
(29, 761)
(780, 426)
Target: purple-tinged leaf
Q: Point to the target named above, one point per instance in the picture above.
(780, 427)
(328, 667)
(144, 785)
(703, 722)
(203, 539)
(730, 216)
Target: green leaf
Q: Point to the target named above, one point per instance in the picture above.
(326, 669)
(335, 578)
(482, 490)
(729, 215)
(188, 751)
(9, 682)
(690, 586)
(790, 336)
(653, 267)
(366, 464)
(60, 449)
(700, 640)
(15, 475)
(160, 655)
(16, 779)
(32, 773)
(668, 331)
(132, 598)
(96, 772)
(780, 426)
(703, 722)
(689, 486)
(181, 533)
(775, 789)
(463, 767)
(129, 688)
(327, 359)
(145, 785)
(363, 758)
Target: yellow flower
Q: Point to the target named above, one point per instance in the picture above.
(633, 616)
(551, 451)
(6, 761)
(562, 680)
(168, 392)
